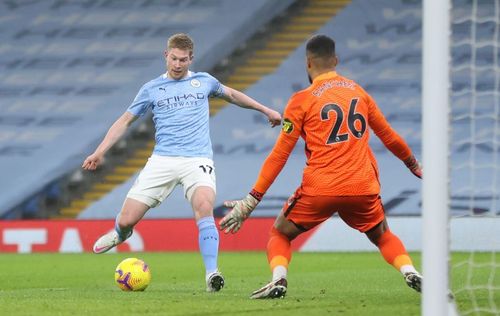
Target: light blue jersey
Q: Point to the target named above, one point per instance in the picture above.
(180, 113)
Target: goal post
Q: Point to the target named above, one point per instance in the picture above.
(461, 156)
(435, 139)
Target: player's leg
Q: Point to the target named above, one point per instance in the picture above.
(155, 182)
(394, 252)
(279, 249)
(199, 184)
(202, 202)
(366, 214)
(299, 214)
(279, 255)
(131, 213)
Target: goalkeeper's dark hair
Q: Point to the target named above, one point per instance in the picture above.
(320, 46)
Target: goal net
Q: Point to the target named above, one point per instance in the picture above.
(461, 134)
(474, 156)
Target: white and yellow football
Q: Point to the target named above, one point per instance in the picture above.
(132, 274)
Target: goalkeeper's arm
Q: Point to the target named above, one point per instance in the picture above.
(241, 209)
(392, 140)
(274, 163)
(400, 149)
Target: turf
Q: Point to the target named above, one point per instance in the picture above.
(319, 284)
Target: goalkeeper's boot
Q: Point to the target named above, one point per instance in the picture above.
(215, 281)
(108, 241)
(274, 289)
(414, 280)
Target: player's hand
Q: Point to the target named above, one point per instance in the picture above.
(274, 118)
(241, 210)
(414, 166)
(92, 161)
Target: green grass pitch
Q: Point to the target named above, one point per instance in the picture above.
(319, 284)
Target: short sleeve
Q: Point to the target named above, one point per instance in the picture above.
(141, 103)
(216, 88)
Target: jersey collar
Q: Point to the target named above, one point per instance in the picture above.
(188, 75)
(326, 75)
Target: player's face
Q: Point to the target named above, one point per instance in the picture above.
(178, 62)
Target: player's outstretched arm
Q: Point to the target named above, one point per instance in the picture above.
(392, 140)
(239, 98)
(271, 168)
(398, 146)
(240, 211)
(114, 133)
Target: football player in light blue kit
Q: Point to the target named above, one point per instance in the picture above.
(183, 151)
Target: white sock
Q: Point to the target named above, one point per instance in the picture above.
(407, 268)
(279, 272)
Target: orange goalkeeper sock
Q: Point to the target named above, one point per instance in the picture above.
(279, 253)
(394, 252)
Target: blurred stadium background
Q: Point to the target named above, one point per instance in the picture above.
(70, 68)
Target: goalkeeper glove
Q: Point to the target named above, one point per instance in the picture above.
(414, 166)
(241, 210)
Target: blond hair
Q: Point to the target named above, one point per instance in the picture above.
(181, 41)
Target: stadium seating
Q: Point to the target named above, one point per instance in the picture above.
(69, 69)
(387, 65)
(381, 51)
(379, 46)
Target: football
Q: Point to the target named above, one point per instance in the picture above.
(132, 274)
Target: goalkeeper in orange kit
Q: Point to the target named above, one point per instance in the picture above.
(341, 175)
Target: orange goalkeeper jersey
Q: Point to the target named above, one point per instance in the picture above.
(333, 115)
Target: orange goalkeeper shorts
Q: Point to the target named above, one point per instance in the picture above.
(361, 212)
